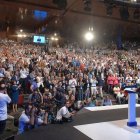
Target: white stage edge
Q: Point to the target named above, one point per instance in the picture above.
(113, 130)
(133, 129)
(100, 108)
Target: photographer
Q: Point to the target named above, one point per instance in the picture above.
(60, 98)
(49, 106)
(24, 120)
(36, 96)
(32, 117)
(41, 117)
(63, 115)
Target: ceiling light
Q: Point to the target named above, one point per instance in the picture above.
(89, 36)
(19, 35)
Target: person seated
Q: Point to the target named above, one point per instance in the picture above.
(106, 101)
(91, 102)
(72, 106)
(79, 105)
(116, 90)
(121, 97)
(63, 114)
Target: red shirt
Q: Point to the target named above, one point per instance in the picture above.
(110, 80)
(82, 67)
(116, 81)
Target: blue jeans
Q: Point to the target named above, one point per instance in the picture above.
(80, 94)
(87, 93)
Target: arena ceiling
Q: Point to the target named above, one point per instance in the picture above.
(73, 15)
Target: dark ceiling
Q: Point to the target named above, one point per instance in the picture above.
(68, 17)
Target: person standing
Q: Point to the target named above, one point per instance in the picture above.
(110, 82)
(73, 84)
(80, 89)
(4, 100)
(93, 86)
(15, 95)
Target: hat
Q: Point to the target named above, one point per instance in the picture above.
(1, 75)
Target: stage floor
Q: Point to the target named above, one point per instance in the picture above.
(113, 130)
(88, 125)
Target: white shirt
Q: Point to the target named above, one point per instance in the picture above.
(63, 112)
(72, 83)
(39, 84)
(93, 82)
(120, 95)
(128, 79)
(4, 100)
(23, 120)
(23, 73)
(138, 81)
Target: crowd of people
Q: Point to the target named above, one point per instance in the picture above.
(60, 81)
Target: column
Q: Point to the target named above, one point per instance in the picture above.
(132, 110)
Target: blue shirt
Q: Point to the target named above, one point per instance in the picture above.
(4, 100)
(131, 88)
(23, 120)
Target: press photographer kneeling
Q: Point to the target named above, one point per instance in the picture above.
(64, 115)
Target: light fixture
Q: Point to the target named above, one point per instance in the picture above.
(90, 29)
(133, 0)
(52, 38)
(56, 39)
(24, 35)
(89, 36)
(21, 30)
(19, 35)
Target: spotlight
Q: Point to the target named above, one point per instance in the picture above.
(89, 36)
(52, 38)
(133, 0)
(24, 35)
(19, 35)
(90, 29)
(56, 39)
(21, 30)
